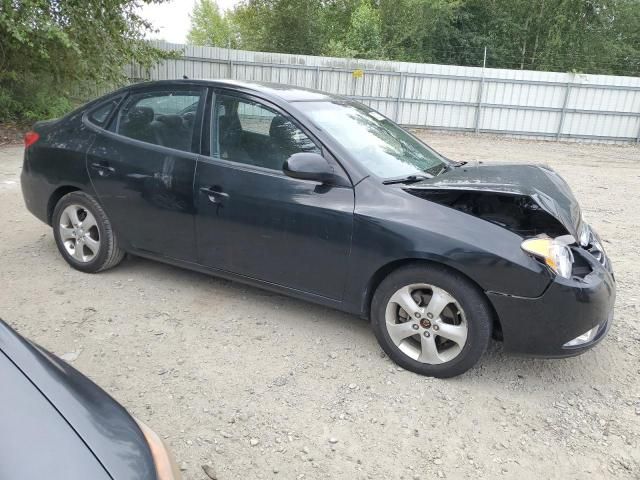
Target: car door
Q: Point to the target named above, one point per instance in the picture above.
(255, 221)
(142, 169)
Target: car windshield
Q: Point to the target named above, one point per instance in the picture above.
(381, 146)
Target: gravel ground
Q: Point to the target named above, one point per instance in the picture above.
(256, 385)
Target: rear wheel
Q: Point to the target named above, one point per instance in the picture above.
(431, 320)
(84, 235)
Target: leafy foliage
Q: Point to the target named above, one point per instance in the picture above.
(208, 26)
(593, 36)
(291, 26)
(364, 36)
(52, 49)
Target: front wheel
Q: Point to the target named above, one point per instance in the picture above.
(431, 320)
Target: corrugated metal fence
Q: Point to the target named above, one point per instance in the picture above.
(546, 105)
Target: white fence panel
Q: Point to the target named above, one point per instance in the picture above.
(548, 105)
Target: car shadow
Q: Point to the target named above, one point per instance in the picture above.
(138, 266)
(495, 365)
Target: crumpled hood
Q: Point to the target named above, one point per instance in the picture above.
(541, 183)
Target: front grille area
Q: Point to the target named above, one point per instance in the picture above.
(597, 251)
(581, 266)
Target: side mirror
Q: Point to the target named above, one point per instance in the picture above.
(311, 166)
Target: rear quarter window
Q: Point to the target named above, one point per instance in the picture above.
(100, 115)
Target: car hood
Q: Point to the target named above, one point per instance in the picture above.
(542, 184)
(104, 426)
(35, 440)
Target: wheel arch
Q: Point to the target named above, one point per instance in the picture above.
(386, 269)
(55, 197)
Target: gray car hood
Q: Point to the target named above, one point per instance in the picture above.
(104, 426)
(541, 183)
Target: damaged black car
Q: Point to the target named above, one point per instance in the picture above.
(322, 198)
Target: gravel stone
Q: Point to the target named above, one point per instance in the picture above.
(168, 343)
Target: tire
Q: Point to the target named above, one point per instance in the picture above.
(91, 245)
(459, 334)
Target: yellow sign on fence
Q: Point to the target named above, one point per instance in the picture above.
(358, 73)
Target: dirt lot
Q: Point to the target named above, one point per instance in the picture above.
(262, 386)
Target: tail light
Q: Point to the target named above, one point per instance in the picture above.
(30, 138)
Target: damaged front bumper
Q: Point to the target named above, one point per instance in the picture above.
(550, 325)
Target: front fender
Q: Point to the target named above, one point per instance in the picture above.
(391, 226)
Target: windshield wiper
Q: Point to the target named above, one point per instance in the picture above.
(438, 170)
(445, 168)
(407, 179)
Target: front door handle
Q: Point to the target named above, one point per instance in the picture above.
(103, 169)
(214, 194)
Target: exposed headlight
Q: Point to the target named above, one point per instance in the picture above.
(166, 468)
(585, 235)
(595, 240)
(553, 251)
(584, 338)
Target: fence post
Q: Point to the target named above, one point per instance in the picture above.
(317, 79)
(563, 111)
(476, 121)
(396, 115)
(230, 68)
(638, 136)
(353, 85)
(476, 126)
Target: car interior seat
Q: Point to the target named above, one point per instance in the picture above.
(283, 141)
(137, 125)
(230, 137)
(173, 132)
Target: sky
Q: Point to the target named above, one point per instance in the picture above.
(172, 18)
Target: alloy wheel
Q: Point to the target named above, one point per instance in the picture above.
(79, 233)
(426, 323)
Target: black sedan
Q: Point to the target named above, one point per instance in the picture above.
(322, 198)
(56, 424)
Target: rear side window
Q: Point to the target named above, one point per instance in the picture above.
(100, 115)
(164, 118)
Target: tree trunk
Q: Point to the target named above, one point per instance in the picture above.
(524, 44)
(539, 26)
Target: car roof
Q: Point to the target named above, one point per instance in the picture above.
(288, 93)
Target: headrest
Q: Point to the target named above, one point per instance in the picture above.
(172, 121)
(140, 116)
(230, 130)
(281, 128)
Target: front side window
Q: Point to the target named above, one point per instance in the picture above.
(381, 146)
(164, 118)
(249, 132)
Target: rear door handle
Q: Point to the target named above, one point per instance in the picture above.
(102, 169)
(215, 195)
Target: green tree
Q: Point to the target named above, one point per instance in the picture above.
(209, 26)
(364, 35)
(596, 36)
(412, 30)
(50, 49)
(335, 21)
(288, 26)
